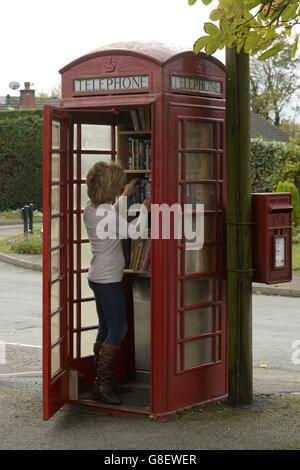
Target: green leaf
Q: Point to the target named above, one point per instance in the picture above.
(211, 29)
(212, 45)
(216, 15)
(192, 2)
(295, 46)
(290, 12)
(249, 4)
(272, 51)
(251, 41)
(200, 44)
(206, 2)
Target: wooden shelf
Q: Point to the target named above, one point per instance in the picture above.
(140, 273)
(143, 132)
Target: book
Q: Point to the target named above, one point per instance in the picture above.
(140, 255)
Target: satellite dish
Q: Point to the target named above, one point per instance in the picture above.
(14, 85)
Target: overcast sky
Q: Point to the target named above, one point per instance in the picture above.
(38, 37)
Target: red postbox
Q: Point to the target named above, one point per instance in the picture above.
(272, 243)
(160, 113)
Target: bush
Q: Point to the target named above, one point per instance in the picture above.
(30, 245)
(20, 158)
(267, 162)
(288, 187)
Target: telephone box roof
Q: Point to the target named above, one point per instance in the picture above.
(158, 52)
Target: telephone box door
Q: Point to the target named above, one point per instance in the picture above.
(55, 343)
(199, 324)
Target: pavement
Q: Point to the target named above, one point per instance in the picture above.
(34, 262)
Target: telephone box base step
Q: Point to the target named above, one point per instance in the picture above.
(135, 400)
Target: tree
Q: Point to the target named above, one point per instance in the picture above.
(273, 84)
(251, 26)
(244, 27)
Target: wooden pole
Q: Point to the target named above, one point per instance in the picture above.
(239, 229)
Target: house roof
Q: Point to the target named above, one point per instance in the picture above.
(13, 102)
(267, 131)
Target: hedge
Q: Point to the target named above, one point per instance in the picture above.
(272, 162)
(20, 158)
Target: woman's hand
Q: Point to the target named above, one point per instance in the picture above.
(130, 187)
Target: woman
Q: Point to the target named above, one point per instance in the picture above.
(105, 182)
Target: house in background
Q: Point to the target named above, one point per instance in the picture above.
(260, 128)
(27, 100)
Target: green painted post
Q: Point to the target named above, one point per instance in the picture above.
(239, 229)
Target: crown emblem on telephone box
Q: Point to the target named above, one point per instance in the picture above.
(110, 65)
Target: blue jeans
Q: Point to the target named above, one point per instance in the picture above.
(111, 309)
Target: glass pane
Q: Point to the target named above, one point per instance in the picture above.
(55, 264)
(55, 359)
(55, 199)
(200, 194)
(94, 137)
(75, 197)
(198, 291)
(74, 315)
(75, 256)
(75, 167)
(89, 315)
(55, 327)
(180, 156)
(198, 352)
(219, 319)
(179, 365)
(209, 228)
(86, 291)
(87, 342)
(179, 270)
(55, 175)
(86, 255)
(75, 137)
(220, 167)
(55, 232)
(199, 166)
(198, 322)
(75, 345)
(55, 135)
(55, 296)
(199, 134)
(198, 261)
(179, 295)
(75, 227)
(84, 196)
(218, 348)
(179, 332)
(75, 287)
(87, 161)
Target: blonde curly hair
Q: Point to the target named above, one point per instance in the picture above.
(105, 181)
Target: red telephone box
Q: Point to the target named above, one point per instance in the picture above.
(159, 112)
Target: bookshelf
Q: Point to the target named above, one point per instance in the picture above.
(134, 153)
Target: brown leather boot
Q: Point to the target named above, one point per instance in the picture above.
(103, 382)
(97, 348)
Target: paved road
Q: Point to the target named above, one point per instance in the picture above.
(271, 423)
(10, 230)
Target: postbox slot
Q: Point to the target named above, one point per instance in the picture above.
(280, 208)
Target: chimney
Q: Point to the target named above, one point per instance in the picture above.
(27, 97)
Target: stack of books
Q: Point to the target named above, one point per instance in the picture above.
(143, 191)
(139, 154)
(140, 255)
(141, 119)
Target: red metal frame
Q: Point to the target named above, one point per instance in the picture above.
(55, 388)
(171, 389)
